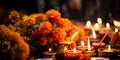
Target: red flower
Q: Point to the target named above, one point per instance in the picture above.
(36, 34)
(43, 41)
(53, 19)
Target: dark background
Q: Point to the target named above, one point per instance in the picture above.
(89, 9)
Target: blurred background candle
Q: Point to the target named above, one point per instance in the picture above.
(88, 24)
(99, 20)
(108, 28)
(116, 30)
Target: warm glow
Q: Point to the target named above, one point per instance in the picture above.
(50, 49)
(96, 26)
(74, 50)
(89, 48)
(109, 47)
(93, 33)
(74, 35)
(116, 23)
(99, 20)
(116, 30)
(82, 43)
(65, 49)
(107, 25)
(88, 24)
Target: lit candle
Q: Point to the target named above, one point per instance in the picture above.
(99, 20)
(107, 25)
(73, 36)
(89, 48)
(116, 23)
(93, 33)
(96, 26)
(116, 30)
(50, 49)
(88, 24)
(108, 50)
(82, 43)
(89, 52)
(72, 54)
(82, 47)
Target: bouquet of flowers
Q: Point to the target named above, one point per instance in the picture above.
(44, 30)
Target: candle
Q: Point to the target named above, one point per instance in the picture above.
(107, 25)
(93, 33)
(108, 50)
(82, 47)
(72, 54)
(116, 23)
(99, 20)
(98, 45)
(49, 49)
(74, 35)
(88, 24)
(108, 28)
(96, 26)
(116, 30)
(89, 52)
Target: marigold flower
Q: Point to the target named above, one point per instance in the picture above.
(41, 17)
(45, 27)
(20, 49)
(65, 24)
(28, 21)
(53, 15)
(59, 34)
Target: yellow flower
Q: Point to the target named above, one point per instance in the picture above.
(45, 27)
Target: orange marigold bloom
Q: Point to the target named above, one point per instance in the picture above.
(28, 21)
(20, 50)
(65, 23)
(41, 17)
(53, 15)
(45, 27)
(59, 34)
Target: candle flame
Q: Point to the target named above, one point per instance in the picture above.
(50, 49)
(107, 25)
(88, 24)
(99, 20)
(74, 50)
(82, 43)
(74, 35)
(89, 48)
(116, 30)
(93, 33)
(109, 47)
(96, 26)
(116, 23)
